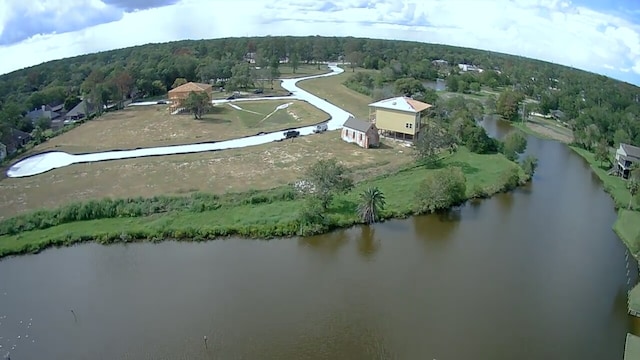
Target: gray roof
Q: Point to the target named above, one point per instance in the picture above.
(631, 150)
(80, 109)
(355, 124)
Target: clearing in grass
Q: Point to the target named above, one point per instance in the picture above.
(257, 167)
(151, 126)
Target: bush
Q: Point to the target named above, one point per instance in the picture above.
(442, 189)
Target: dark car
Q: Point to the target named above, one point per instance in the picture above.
(258, 91)
(231, 97)
(161, 102)
(291, 134)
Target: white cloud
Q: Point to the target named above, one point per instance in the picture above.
(551, 30)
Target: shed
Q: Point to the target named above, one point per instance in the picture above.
(361, 132)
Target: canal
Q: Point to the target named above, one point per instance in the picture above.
(533, 274)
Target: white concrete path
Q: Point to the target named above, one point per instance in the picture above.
(40, 163)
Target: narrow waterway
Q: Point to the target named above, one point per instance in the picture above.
(534, 274)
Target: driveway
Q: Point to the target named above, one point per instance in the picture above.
(40, 163)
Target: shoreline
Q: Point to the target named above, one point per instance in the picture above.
(262, 214)
(625, 218)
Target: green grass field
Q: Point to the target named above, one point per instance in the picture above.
(254, 218)
(332, 89)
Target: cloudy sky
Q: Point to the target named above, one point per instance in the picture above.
(602, 36)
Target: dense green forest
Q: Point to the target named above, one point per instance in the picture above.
(598, 108)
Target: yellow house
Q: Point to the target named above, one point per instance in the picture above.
(399, 117)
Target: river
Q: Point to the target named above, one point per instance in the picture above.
(533, 274)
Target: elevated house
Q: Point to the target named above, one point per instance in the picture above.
(399, 118)
(626, 156)
(363, 133)
(178, 95)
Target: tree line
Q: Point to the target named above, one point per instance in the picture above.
(598, 108)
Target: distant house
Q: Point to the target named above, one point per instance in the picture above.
(626, 157)
(3, 151)
(468, 67)
(178, 95)
(557, 115)
(400, 117)
(440, 62)
(46, 112)
(361, 132)
(13, 140)
(79, 112)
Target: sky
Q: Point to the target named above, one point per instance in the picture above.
(602, 36)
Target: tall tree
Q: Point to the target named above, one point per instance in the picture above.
(514, 144)
(178, 82)
(371, 204)
(294, 61)
(602, 152)
(198, 103)
(432, 140)
(508, 104)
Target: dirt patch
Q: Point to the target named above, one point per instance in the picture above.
(550, 130)
(260, 167)
(149, 126)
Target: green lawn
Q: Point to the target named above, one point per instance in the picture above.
(254, 114)
(627, 226)
(255, 218)
(286, 71)
(331, 89)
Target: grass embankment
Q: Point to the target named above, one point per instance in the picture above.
(627, 226)
(257, 214)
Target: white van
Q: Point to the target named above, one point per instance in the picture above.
(320, 128)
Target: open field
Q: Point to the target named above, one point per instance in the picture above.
(263, 214)
(331, 89)
(260, 167)
(286, 72)
(149, 126)
(548, 129)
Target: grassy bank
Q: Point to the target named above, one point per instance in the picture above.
(258, 214)
(627, 226)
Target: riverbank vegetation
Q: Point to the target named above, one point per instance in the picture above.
(444, 169)
(257, 214)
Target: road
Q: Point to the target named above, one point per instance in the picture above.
(40, 163)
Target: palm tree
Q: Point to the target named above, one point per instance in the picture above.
(633, 187)
(371, 204)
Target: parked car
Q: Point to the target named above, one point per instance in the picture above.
(231, 97)
(291, 134)
(161, 102)
(320, 128)
(258, 91)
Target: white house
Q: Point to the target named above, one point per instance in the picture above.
(626, 156)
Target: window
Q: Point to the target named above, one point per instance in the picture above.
(360, 136)
(408, 125)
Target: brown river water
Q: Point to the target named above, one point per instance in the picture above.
(533, 274)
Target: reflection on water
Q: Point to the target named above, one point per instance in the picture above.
(368, 244)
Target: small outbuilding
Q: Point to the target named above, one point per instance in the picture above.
(363, 133)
